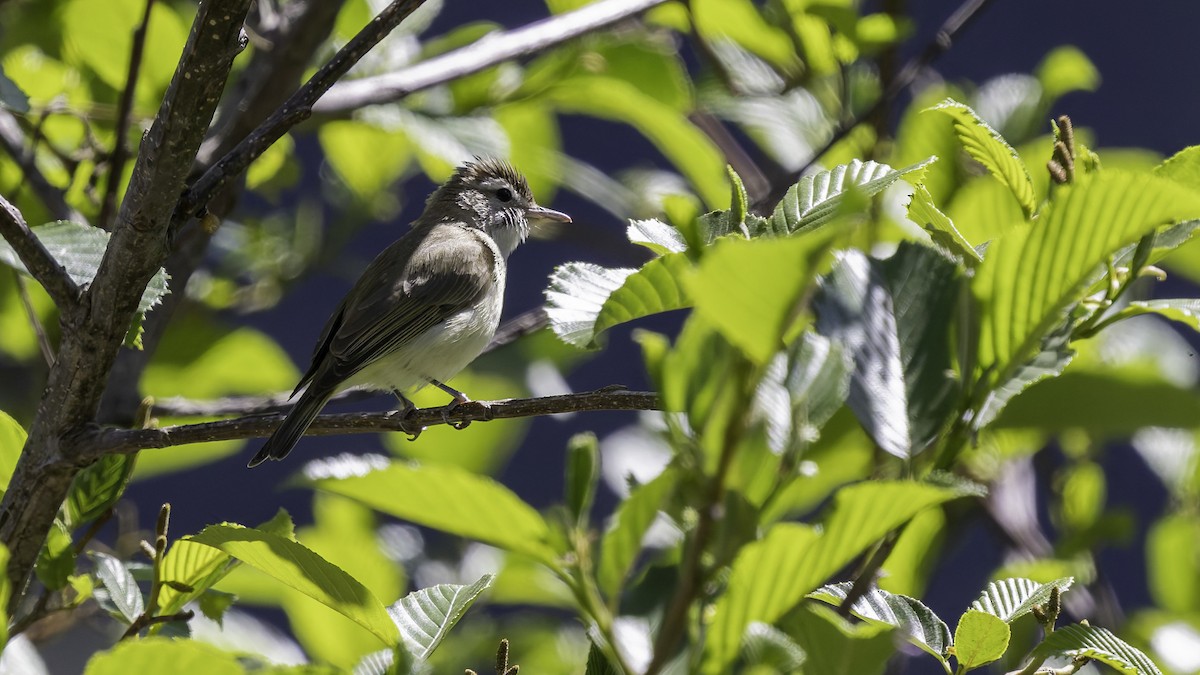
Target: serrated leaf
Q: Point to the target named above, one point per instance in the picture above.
(1010, 599)
(1097, 643)
(597, 664)
(467, 504)
(656, 235)
(770, 576)
(622, 540)
(214, 604)
(188, 564)
(1033, 275)
(424, 617)
(297, 567)
(985, 145)
(980, 638)
(1183, 310)
(750, 290)
(122, 588)
(923, 212)
(815, 199)
(894, 318)
(922, 627)
(801, 389)
(384, 662)
(79, 249)
(97, 487)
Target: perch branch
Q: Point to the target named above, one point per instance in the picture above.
(109, 441)
(37, 260)
(493, 49)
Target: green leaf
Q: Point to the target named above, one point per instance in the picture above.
(582, 474)
(815, 200)
(11, 96)
(367, 158)
(1029, 278)
(917, 622)
(682, 143)
(894, 317)
(1109, 403)
(985, 145)
(741, 22)
(467, 504)
(920, 135)
(12, 441)
(164, 655)
(584, 300)
(770, 576)
(56, 559)
(79, 249)
(426, 616)
(597, 664)
(214, 604)
(801, 389)
(1183, 310)
(768, 646)
(1064, 70)
(657, 236)
(749, 290)
(1096, 643)
(122, 589)
(297, 567)
(1183, 167)
(1012, 598)
(834, 646)
(622, 541)
(980, 638)
(97, 487)
(1173, 562)
(941, 229)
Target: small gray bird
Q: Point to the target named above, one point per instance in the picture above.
(428, 304)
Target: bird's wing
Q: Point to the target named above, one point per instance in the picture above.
(449, 269)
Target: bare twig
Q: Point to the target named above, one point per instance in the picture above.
(120, 154)
(518, 327)
(107, 441)
(866, 576)
(37, 260)
(942, 41)
(12, 139)
(295, 110)
(495, 48)
(31, 312)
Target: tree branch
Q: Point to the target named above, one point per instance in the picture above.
(94, 329)
(38, 261)
(109, 441)
(491, 50)
(295, 110)
(12, 139)
(120, 153)
(941, 43)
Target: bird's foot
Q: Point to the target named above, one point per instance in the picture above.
(459, 399)
(406, 412)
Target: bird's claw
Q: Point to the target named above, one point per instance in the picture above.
(449, 410)
(406, 426)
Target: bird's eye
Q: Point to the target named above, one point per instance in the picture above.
(504, 194)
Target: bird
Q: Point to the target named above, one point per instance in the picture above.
(428, 304)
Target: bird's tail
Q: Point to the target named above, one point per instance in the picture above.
(294, 425)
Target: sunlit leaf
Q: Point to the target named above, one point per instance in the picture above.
(941, 229)
(980, 638)
(987, 147)
(97, 487)
(1097, 643)
(164, 655)
(12, 441)
(917, 622)
(622, 541)
(815, 200)
(122, 590)
(426, 616)
(835, 646)
(1065, 69)
(1010, 599)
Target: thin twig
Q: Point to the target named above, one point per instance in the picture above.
(37, 260)
(31, 312)
(295, 110)
(120, 153)
(494, 49)
(13, 141)
(108, 441)
(866, 576)
(942, 41)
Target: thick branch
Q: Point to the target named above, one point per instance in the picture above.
(295, 110)
(37, 260)
(132, 440)
(94, 331)
(487, 52)
(12, 139)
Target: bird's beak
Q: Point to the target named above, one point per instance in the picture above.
(544, 214)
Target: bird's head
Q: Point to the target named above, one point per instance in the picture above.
(491, 195)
